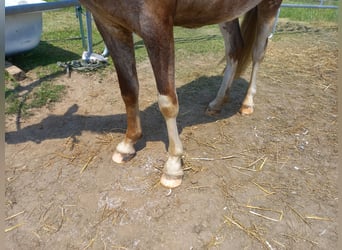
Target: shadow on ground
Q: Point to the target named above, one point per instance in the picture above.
(44, 54)
(193, 98)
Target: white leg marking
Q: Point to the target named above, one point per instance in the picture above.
(227, 81)
(248, 101)
(173, 172)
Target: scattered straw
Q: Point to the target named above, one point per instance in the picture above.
(294, 237)
(262, 188)
(313, 217)
(197, 187)
(264, 216)
(37, 235)
(69, 157)
(279, 212)
(253, 233)
(90, 159)
(49, 228)
(299, 215)
(253, 166)
(91, 242)
(15, 215)
(280, 244)
(212, 159)
(106, 139)
(119, 247)
(188, 166)
(14, 227)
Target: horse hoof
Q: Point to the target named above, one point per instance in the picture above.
(121, 158)
(246, 110)
(171, 181)
(212, 112)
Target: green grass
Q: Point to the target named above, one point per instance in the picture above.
(310, 14)
(61, 41)
(19, 100)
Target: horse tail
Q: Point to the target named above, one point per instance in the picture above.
(249, 34)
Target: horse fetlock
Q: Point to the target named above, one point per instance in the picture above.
(173, 172)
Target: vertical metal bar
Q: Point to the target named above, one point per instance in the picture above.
(80, 20)
(89, 33)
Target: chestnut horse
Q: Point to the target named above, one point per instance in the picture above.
(153, 21)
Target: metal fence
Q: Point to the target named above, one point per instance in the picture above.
(320, 4)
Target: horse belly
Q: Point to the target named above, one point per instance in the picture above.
(197, 13)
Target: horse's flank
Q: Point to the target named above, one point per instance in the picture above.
(133, 14)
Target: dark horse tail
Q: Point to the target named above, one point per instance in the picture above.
(249, 34)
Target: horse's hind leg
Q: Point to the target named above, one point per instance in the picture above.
(265, 21)
(120, 45)
(233, 45)
(160, 46)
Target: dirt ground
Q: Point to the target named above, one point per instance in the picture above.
(265, 181)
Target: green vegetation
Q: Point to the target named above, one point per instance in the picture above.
(310, 14)
(20, 99)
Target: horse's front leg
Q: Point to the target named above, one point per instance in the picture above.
(233, 45)
(121, 48)
(160, 46)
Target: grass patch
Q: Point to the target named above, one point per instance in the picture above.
(45, 94)
(19, 100)
(313, 15)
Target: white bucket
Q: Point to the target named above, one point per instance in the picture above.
(22, 31)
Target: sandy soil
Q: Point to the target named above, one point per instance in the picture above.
(265, 181)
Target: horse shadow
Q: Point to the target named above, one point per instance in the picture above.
(193, 100)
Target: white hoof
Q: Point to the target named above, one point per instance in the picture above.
(171, 181)
(246, 110)
(121, 158)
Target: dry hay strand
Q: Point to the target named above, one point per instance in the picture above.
(252, 232)
(296, 237)
(14, 215)
(254, 166)
(314, 217)
(90, 159)
(298, 214)
(106, 139)
(78, 154)
(189, 166)
(263, 189)
(13, 227)
(216, 240)
(280, 213)
(91, 242)
(198, 141)
(213, 159)
(198, 187)
(110, 213)
(50, 221)
(119, 247)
